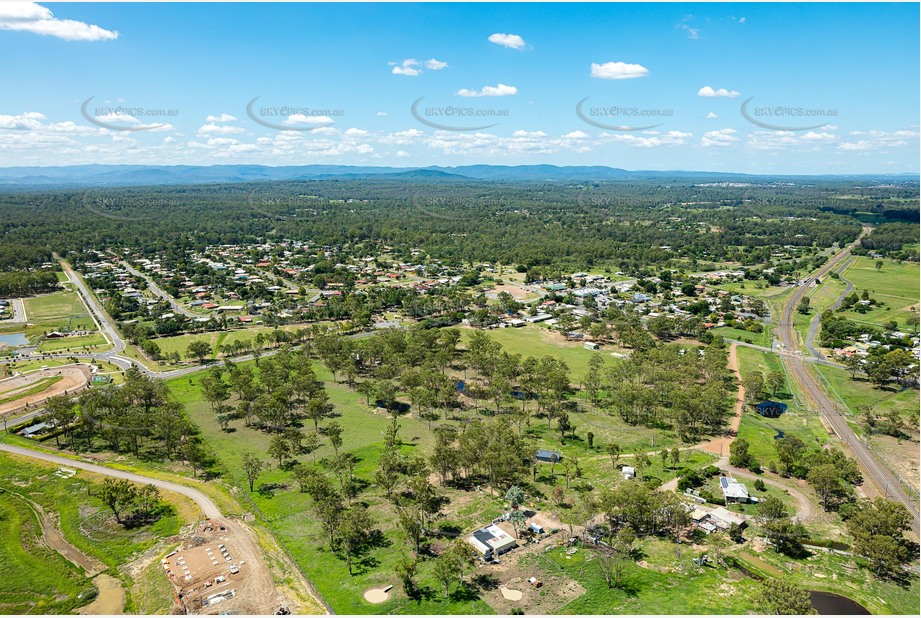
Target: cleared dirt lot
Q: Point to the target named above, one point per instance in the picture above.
(74, 378)
(202, 572)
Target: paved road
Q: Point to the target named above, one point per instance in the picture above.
(208, 507)
(19, 312)
(156, 290)
(98, 314)
(817, 319)
(873, 470)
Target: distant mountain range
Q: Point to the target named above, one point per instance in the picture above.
(133, 175)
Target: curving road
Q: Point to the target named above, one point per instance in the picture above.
(877, 473)
(208, 507)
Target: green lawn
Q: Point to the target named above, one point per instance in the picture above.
(82, 343)
(684, 589)
(761, 432)
(62, 311)
(537, 341)
(763, 338)
(896, 285)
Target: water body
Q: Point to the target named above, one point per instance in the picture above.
(14, 340)
(827, 603)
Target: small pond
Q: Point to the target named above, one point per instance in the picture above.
(14, 340)
(827, 603)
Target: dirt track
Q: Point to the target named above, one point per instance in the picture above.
(73, 379)
(720, 446)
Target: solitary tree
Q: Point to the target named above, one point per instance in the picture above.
(118, 495)
(252, 467)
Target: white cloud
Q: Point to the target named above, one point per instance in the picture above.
(409, 71)
(219, 129)
(32, 17)
(856, 146)
(711, 115)
(402, 154)
(654, 139)
(500, 90)
(435, 65)
(576, 135)
(353, 132)
(512, 41)
(618, 70)
(381, 114)
(299, 119)
(221, 118)
(412, 67)
(719, 138)
(707, 91)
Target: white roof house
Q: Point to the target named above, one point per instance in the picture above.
(491, 540)
(733, 491)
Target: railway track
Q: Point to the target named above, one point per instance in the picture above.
(884, 479)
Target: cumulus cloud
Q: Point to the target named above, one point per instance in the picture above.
(299, 119)
(711, 115)
(512, 41)
(618, 70)
(650, 139)
(500, 90)
(381, 114)
(412, 67)
(719, 138)
(32, 17)
(219, 129)
(221, 118)
(707, 91)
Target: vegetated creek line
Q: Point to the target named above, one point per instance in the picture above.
(111, 596)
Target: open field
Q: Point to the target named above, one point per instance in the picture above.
(535, 340)
(82, 343)
(666, 584)
(763, 338)
(894, 284)
(57, 311)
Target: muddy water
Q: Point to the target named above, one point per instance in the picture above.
(111, 598)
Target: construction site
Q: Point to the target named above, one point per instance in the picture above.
(218, 570)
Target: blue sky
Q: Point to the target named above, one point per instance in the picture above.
(831, 88)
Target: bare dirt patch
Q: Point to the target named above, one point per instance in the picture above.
(517, 292)
(73, 379)
(498, 583)
(377, 595)
(219, 568)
